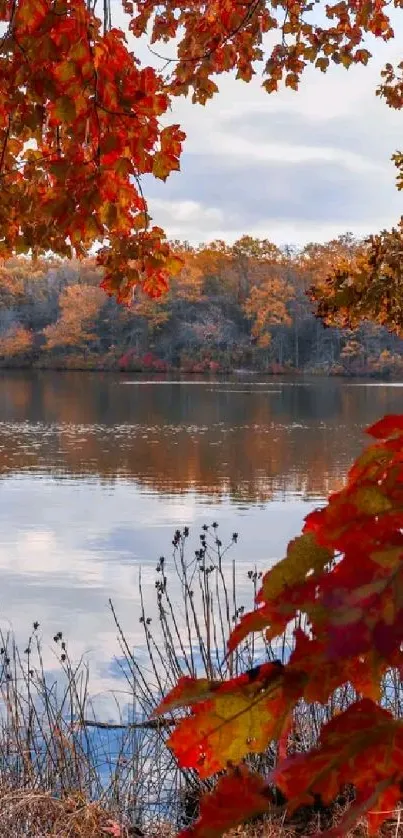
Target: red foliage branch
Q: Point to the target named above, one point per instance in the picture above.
(345, 574)
(79, 125)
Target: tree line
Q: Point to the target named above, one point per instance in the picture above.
(241, 306)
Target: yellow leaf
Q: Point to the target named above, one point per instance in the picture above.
(65, 109)
(371, 501)
(303, 555)
(231, 719)
(66, 71)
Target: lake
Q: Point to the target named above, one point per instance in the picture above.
(98, 470)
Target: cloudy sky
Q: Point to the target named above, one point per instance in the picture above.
(292, 167)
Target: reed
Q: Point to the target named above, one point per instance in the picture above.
(65, 771)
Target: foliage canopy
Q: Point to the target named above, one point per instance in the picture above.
(80, 123)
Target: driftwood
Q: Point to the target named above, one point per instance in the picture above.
(151, 724)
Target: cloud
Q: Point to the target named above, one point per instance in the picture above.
(300, 137)
(290, 166)
(283, 200)
(281, 173)
(185, 218)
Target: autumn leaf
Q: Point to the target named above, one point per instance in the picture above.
(389, 426)
(322, 63)
(304, 556)
(163, 165)
(291, 80)
(64, 109)
(230, 719)
(276, 598)
(188, 691)
(31, 14)
(237, 796)
(66, 71)
(361, 746)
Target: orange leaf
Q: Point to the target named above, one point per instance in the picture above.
(232, 718)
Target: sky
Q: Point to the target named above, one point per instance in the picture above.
(292, 167)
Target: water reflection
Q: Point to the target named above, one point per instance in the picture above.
(98, 470)
(245, 441)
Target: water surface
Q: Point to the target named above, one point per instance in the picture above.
(98, 470)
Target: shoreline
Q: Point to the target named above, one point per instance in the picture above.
(90, 365)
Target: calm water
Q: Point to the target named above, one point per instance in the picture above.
(97, 471)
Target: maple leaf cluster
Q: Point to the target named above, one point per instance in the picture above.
(227, 35)
(365, 284)
(79, 125)
(344, 573)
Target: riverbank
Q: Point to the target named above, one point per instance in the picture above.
(27, 813)
(383, 370)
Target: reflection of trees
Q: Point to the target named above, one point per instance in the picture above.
(175, 438)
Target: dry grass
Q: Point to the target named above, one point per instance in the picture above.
(39, 814)
(66, 774)
(30, 814)
(277, 826)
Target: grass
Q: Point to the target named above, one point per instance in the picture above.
(64, 772)
(37, 814)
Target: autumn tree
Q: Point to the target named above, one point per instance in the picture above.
(364, 284)
(213, 260)
(266, 307)
(141, 321)
(317, 261)
(200, 318)
(15, 341)
(79, 306)
(18, 276)
(268, 290)
(250, 260)
(188, 284)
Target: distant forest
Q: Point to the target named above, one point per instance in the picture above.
(243, 306)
